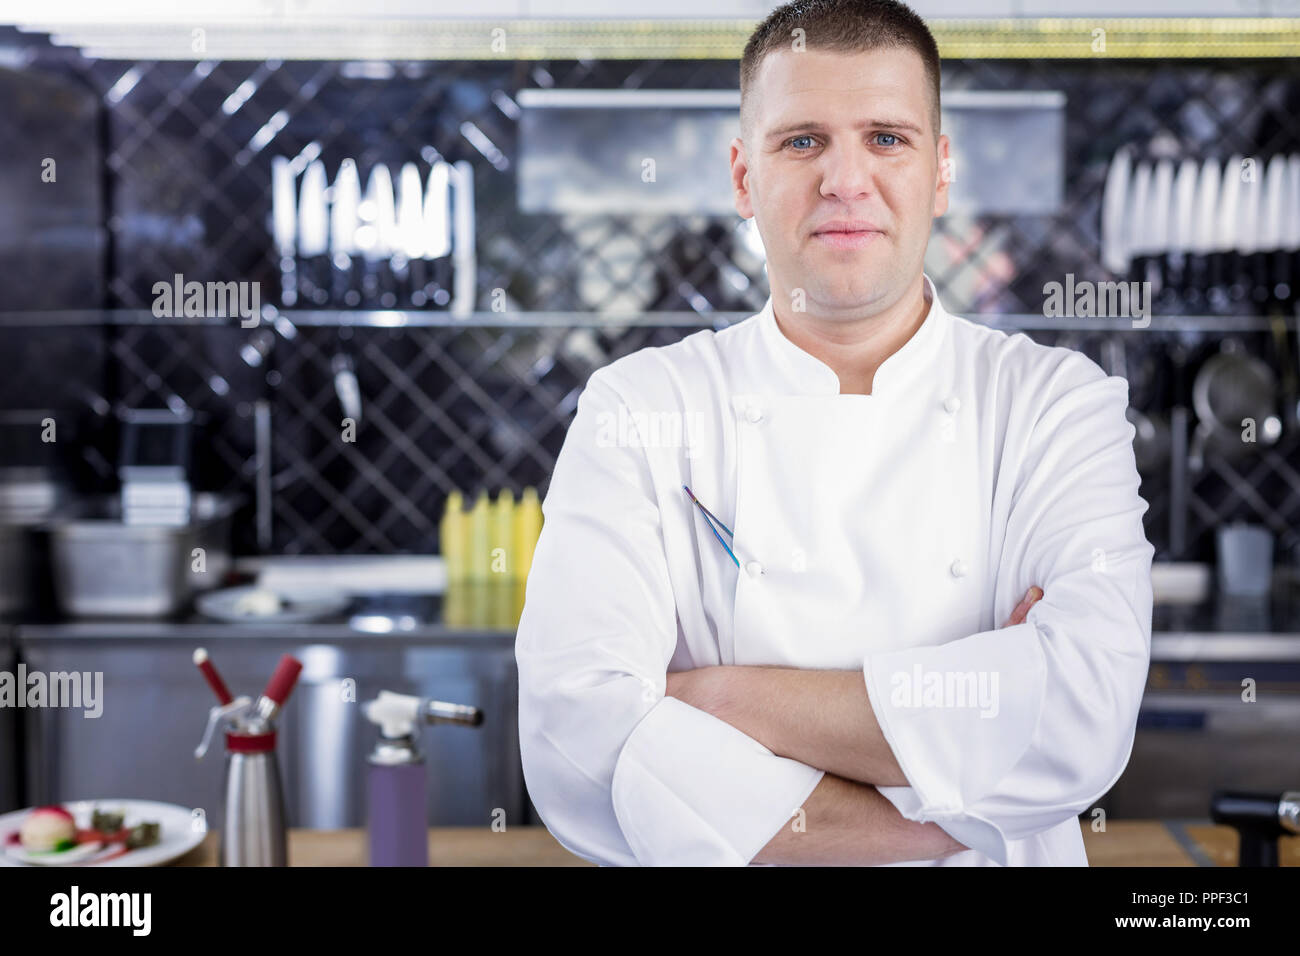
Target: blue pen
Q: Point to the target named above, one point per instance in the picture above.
(711, 518)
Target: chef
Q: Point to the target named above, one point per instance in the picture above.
(854, 581)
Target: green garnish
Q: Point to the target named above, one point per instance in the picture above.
(106, 821)
(57, 848)
(145, 834)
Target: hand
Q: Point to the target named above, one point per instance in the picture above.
(1032, 596)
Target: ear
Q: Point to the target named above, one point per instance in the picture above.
(946, 174)
(740, 179)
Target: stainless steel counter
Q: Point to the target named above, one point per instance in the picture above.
(1206, 632)
(1207, 646)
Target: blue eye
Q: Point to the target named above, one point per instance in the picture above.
(891, 136)
(796, 139)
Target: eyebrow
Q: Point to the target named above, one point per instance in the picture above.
(816, 127)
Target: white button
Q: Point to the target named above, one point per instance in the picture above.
(958, 568)
(754, 413)
(951, 404)
(754, 569)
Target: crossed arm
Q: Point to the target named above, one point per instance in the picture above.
(824, 718)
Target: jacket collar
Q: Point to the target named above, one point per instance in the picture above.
(803, 374)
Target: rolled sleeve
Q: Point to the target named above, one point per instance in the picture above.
(619, 773)
(1054, 726)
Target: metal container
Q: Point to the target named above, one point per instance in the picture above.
(253, 831)
(110, 569)
(1245, 560)
(104, 567)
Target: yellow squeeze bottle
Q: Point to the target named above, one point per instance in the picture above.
(451, 536)
(528, 525)
(503, 540)
(479, 546)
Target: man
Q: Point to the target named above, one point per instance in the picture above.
(816, 676)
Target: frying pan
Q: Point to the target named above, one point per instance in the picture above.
(1232, 386)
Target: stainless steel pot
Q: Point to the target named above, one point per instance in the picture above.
(104, 567)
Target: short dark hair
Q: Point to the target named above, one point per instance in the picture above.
(843, 26)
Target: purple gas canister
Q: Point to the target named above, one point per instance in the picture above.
(397, 783)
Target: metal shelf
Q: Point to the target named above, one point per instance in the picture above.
(1159, 323)
(379, 318)
(420, 318)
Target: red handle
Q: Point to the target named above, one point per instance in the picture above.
(280, 686)
(213, 678)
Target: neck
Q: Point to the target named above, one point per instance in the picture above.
(856, 348)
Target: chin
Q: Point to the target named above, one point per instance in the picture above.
(851, 294)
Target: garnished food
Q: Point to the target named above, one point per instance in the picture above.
(146, 834)
(106, 821)
(52, 831)
(48, 829)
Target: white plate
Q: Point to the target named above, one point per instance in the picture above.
(78, 854)
(296, 607)
(176, 831)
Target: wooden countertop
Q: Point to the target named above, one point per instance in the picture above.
(1125, 843)
(448, 846)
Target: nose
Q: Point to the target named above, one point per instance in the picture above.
(848, 172)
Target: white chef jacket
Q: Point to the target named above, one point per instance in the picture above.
(892, 533)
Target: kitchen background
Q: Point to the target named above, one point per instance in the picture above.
(460, 330)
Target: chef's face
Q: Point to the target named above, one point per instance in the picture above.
(835, 136)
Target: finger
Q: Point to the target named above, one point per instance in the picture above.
(1017, 616)
(1032, 596)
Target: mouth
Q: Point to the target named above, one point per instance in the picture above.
(838, 237)
(848, 234)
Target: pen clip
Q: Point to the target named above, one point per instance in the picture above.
(710, 518)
